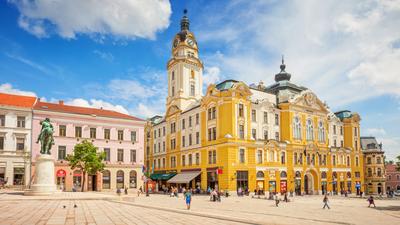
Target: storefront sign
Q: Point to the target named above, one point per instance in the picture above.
(61, 173)
(219, 171)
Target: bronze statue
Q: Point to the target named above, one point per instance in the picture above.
(46, 137)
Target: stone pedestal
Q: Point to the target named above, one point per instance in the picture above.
(44, 183)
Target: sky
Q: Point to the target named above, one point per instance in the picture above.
(113, 54)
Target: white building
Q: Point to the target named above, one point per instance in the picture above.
(15, 139)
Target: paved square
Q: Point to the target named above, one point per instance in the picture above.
(107, 208)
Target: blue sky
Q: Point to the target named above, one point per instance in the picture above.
(113, 54)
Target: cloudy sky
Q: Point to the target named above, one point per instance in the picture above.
(113, 54)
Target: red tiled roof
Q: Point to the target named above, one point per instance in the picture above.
(54, 107)
(17, 100)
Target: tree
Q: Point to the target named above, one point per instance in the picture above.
(86, 158)
(398, 163)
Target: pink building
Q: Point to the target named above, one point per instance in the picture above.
(117, 134)
(392, 177)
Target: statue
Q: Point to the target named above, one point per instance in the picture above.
(46, 137)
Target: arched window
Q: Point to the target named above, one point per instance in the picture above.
(296, 128)
(348, 175)
(348, 160)
(379, 172)
(323, 175)
(378, 160)
(321, 132)
(259, 156)
(120, 179)
(298, 174)
(283, 174)
(283, 157)
(271, 156)
(310, 130)
(369, 172)
(132, 179)
(260, 174)
(106, 179)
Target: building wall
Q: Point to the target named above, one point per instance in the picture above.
(11, 160)
(100, 123)
(374, 182)
(392, 177)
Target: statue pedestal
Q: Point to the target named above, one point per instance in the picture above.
(44, 183)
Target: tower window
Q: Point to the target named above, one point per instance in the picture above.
(173, 75)
(192, 74)
(173, 91)
(192, 90)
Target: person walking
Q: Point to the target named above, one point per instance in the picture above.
(285, 198)
(188, 199)
(325, 201)
(371, 201)
(276, 200)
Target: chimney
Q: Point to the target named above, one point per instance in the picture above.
(61, 102)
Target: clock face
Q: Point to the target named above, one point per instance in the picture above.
(176, 42)
(190, 42)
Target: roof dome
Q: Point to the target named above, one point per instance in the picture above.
(283, 75)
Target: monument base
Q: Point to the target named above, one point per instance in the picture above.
(44, 183)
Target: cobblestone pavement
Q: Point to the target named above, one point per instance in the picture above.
(90, 212)
(107, 208)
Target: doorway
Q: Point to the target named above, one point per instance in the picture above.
(92, 183)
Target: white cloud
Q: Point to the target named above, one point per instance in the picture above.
(121, 18)
(375, 131)
(95, 103)
(211, 75)
(104, 55)
(344, 51)
(128, 89)
(8, 88)
(29, 62)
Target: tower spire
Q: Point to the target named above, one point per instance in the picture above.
(283, 75)
(185, 21)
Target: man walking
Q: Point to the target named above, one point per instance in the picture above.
(325, 201)
(371, 201)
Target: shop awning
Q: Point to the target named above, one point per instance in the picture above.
(162, 176)
(184, 177)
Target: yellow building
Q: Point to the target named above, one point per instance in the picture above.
(374, 166)
(277, 138)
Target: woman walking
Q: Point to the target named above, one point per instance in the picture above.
(325, 201)
(188, 198)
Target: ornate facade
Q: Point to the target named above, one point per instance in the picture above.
(274, 138)
(374, 166)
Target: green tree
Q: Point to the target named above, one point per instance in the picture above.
(398, 163)
(86, 158)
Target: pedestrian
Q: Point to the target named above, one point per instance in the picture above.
(188, 198)
(276, 200)
(285, 197)
(361, 193)
(371, 201)
(126, 190)
(325, 201)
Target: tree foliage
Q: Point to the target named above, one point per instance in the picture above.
(86, 158)
(398, 163)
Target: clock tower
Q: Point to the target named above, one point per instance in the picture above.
(185, 70)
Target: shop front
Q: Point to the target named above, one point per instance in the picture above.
(283, 182)
(61, 174)
(77, 180)
(185, 179)
(242, 180)
(160, 180)
(19, 176)
(260, 182)
(297, 183)
(212, 178)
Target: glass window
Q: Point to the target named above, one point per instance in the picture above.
(190, 121)
(241, 112)
(21, 121)
(190, 139)
(192, 90)
(265, 134)
(93, 133)
(1, 143)
(277, 136)
(276, 119)
(190, 160)
(20, 144)
(78, 132)
(254, 133)
(183, 124)
(241, 131)
(132, 179)
(106, 179)
(133, 155)
(197, 158)
(368, 160)
(62, 151)
(265, 117)
(62, 130)
(356, 161)
(310, 130)
(120, 135)
(120, 179)
(321, 132)
(107, 134)
(241, 155)
(183, 160)
(2, 120)
(214, 156)
(120, 155)
(107, 152)
(197, 137)
(283, 157)
(297, 128)
(253, 115)
(197, 118)
(259, 156)
(183, 141)
(173, 161)
(209, 157)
